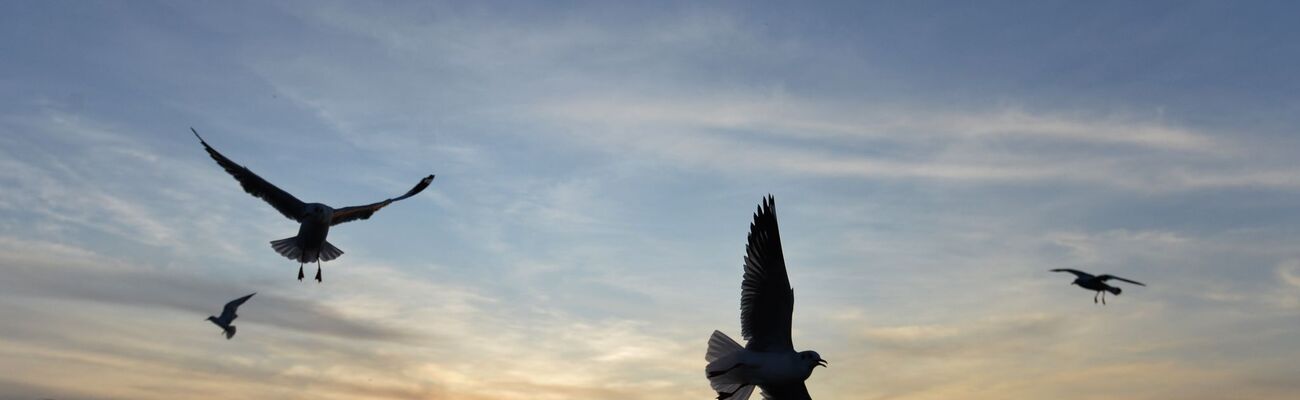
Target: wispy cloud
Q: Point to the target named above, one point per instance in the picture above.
(597, 167)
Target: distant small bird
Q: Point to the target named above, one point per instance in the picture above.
(769, 360)
(315, 218)
(228, 315)
(1096, 283)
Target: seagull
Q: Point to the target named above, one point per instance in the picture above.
(769, 360)
(315, 218)
(228, 315)
(1096, 283)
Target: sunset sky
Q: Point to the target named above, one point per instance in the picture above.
(597, 166)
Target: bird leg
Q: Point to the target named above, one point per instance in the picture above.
(1094, 297)
(300, 275)
(317, 271)
(1103, 298)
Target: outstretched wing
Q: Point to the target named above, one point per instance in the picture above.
(283, 202)
(354, 213)
(793, 391)
(766, 300)
(228, 313)
(1076, 272)
(1109, 277)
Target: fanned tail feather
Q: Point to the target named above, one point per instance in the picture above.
(721, 345)
(723, 357)
(329, 252)
(289, 248)
(230, 332)
(741, 393)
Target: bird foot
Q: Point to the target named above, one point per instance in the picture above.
(318, 275)
(300, 274)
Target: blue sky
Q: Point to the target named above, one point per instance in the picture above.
(597, 166)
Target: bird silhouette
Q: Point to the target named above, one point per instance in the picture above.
(1096, 283)
(768, 360)
(315, 219)
(228, 316)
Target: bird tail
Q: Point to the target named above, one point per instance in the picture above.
(741, 393)
(329, 252)
(230, 332)
(724, 358)
(1114, 290)
(289, 247)
(720, 345)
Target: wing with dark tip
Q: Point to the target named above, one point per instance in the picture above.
(228, 313)
(354, 213)
(1076, 272)
(283, 202)
(766, 300)
(1108, 277)
(796, 391)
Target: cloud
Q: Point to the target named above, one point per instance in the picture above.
(760, 132)
(999, 337)
(76, 194)
(539, 79)
(50, 270)
(578, 244)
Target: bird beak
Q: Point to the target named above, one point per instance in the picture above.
(823, 363)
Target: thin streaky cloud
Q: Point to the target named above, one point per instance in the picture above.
(598, 163)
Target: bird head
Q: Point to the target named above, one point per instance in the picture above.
(212, 318)
(812, 360)
(1114, 290)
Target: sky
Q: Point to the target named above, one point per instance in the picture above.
(597, 167)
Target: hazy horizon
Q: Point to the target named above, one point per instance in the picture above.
(597, 167)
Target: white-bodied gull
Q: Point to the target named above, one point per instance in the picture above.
(315, 218)
(1096, 283)
(228, 316)
(768, 360)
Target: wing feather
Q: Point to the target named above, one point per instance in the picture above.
(766, 299)
(793, 391)
(1076, 272)
(1109, 277)
(348, 214)
(283, 202)
(228, 313)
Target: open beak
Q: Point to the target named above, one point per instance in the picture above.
(823, 363)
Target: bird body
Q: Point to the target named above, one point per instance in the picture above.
(1096, 283)
(310, 245)
(315, 219)
(763, 368)
(228, 316)
(769, 360)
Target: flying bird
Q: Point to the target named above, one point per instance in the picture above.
(315, 218)
(768, 360)
(228, 315)
(1096, 283)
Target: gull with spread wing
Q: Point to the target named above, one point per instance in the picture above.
(768, 360)
(1096, 283)
(315, 218)
(228, 316)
